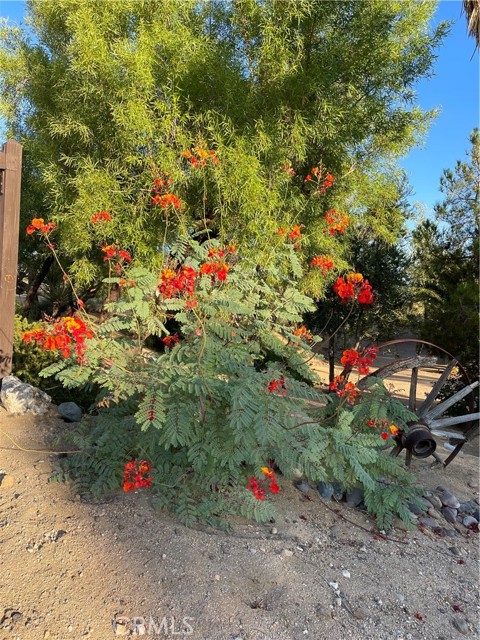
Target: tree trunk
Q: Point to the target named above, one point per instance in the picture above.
(36, 284)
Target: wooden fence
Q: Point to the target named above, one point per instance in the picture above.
(10, 179)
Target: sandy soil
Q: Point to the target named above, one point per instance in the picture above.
(68, 566)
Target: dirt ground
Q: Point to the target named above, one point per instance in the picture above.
(68, 566)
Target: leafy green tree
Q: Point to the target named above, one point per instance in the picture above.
(107, 97)
(446, 263)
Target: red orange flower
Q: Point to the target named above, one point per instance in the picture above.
(135, 475)
(336, 222)
(325, 263)
(98, 217)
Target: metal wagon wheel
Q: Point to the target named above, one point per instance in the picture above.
(420, 439)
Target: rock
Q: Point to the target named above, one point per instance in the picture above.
(469, 521)
(334, 585)
(449, 514)
(428, 522)
(455, 551)
(400, 597)
(69, 411)
(449, 500)
(6, 481)
(440, 489)
(345, 573)
(450, 533)
(273, 530)
(476, 514)
(337, 491)
(465, 507)
(302, 486)
(414, 509)
(19, 397)
(435, 501)
(121, 625)
(461, 625)
(473, 483)
(325, 489)
(424, 503)
(286, 553)
(434, 513)
(338, 602)
(354, 497)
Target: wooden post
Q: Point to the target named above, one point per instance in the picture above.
(10, 179)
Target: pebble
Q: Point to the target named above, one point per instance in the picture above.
(360, 614)
(286, 553)
(473, 484)
(7, 482)
(217, 576)
(455, 551)
(273, 530)
(469, 521)
(450, 533)
(435, 501)
(338, 602)
(461, 625)
(450, 514)
(69, 411)
(400, 597)
(345, 573)
(323, 612)
(334, 585)
(302, 486)
(449, 500)
(434, 513)
(354, 497)
(325, 489)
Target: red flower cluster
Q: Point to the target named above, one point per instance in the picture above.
(294, 234)
(325, 263)
(111, 251)
(323, 183)
(167, 199)
(344, 389)
(383, 424)
(352, 358)
(302, 332)
(217, 269)
(161, 196)
(354, 287)
(336, 222)
(38, 224)
(257, 490)
(64, 334)
(278, 385)
(98, 217)
(177, 282)
(201, 157)
(170, 341)
(135, 475)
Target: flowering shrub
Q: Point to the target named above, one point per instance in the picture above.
(232, 390)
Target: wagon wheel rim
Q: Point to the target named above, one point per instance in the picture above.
(429, 413)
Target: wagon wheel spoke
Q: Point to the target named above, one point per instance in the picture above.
(433, 394)
(446, 404)
(412, 400)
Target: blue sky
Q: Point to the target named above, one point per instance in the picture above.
(454, 89)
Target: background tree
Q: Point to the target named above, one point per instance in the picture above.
(446, 255)
(107, 97)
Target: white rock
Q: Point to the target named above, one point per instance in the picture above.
(345, 573)
(19, 397)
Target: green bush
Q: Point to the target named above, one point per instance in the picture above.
(213, 409)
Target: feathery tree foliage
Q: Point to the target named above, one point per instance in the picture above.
(106, 96)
